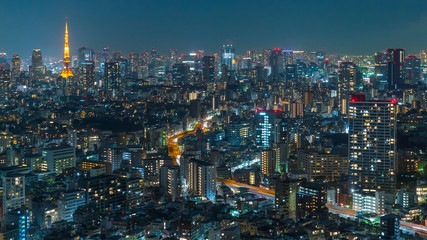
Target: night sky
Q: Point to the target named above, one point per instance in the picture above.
(354, 27)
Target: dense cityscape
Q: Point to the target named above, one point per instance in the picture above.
(265, 144)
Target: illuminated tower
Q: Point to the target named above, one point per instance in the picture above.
(66, 71)
(372, 144)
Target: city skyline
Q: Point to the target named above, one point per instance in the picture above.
(351, 28)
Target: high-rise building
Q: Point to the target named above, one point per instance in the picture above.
(16, 65)
(208, 68)
(59, 158)
(228, 55)
(322, 164)
(270, 161)
(37, 61)
(395, 64)
(180, 73)
(87, 75)
(288, 58)
(84, 54)
(348, 76)
(372, 144)
(112, 76)
(66, 71)
(170, 181)
(286, 199)
(267, 127)
(105, 193)
(202, 179)
(412, 70)
(276, 64)
(13, 192)
(381, 70)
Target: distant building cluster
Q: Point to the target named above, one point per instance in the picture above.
(257, 144)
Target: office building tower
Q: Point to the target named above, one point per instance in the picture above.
(267, 127)
(87, 75)
(16, 65)
(202, 179)
(413, 70)
(389, 227)
(288, 58)
(13, 192)
(170, 181)
(395, 65)
(372, 144)
(381, 70)
(66, 71)
(59, 158)
(180, 73)
(270, 161)
(208, 68)
(228, 55)
(37, 61)
(348, 79)
(286, 199)
(112, 77)
(84, 54)
(276, 64)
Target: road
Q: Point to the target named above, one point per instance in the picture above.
(173, 144)
(260, 190)
(175, 154)
(404, 226)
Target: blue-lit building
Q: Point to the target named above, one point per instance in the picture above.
(228, 55)
(267, 127)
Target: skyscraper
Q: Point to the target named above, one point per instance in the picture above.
(36, 60)
(348, 77)
(228, 55)
(395, 63)
(87, 75)
(276, 64)
(412, 70)
(285, 199)
(84, 54)
(372, 144)
(381, 72)
(180, 73)
(112, 77)
(16, 65)
(66, 71)
(267, 129)
(270, 161)
(208, 68)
